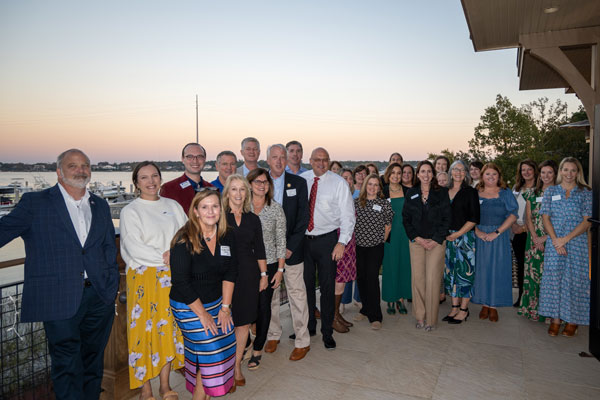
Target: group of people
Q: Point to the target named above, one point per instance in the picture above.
(206, 260)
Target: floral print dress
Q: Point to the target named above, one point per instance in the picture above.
(534, 260)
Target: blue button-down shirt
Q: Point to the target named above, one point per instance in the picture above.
(278, 187)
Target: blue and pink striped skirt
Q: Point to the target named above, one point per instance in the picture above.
(213, 356)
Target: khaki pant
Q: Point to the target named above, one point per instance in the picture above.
(427, 271)
(296, 291)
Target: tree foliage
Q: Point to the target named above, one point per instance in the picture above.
(507, 134)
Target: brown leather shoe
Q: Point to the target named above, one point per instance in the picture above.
(271, 346)
(317, 313)
(553, 329)
(483, 314)
(493, 315)
(339, 327)
(570, 330)
(299, 353)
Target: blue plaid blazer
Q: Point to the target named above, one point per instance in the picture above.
(55, 259)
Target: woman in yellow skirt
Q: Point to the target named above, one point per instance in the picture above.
(147, 226)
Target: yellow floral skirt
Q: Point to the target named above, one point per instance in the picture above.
(153, 336)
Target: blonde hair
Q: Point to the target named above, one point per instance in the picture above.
(191, 232)
(580, 180)
(362, 196)
(225, 200)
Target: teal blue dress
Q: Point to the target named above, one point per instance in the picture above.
(396, 278)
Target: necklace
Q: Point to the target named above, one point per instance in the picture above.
(395, 190)
(211, 236)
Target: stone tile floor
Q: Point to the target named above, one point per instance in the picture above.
(511, 359)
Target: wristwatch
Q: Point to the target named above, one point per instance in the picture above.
(280, 269)
(263, 274)
(497, 232)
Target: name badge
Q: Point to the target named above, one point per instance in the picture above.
(539, 199)
(389, 199)
(376, 207)
(291, 192)
(414, 196)
(225, 251)
(185, 184)
(480, 201)
(556, 197)
(515, 193)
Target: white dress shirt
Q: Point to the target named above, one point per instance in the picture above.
(278, 188)
(334, 207)
(80, 213)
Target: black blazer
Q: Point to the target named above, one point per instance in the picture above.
(437, 218)
(295, 207)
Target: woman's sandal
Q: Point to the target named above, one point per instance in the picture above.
(170, 395)
(254, 362)
(448, 317)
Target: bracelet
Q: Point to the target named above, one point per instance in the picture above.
(225, 305)
(280, 269)
(263, 274)
(497, 232)
(225, 311)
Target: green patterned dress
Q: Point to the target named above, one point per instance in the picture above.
(534, 261)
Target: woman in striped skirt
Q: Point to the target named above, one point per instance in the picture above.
(204, 269)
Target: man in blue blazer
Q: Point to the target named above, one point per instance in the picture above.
(71, 273)
(291, 192)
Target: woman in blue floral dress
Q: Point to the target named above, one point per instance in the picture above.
(565, 289)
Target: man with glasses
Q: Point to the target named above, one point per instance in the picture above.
(184, 188)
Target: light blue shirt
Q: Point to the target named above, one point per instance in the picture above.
(278, 188)
(245, 170)
(300, 171)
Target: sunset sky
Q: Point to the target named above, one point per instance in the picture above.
(118, 79)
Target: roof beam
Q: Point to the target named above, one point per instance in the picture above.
(563, 38)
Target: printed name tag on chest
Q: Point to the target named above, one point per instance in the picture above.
(480, 201)
(539, 199)
(291, 192)
(376, 207)
(556, 197)
(225, 251)
(185, 184)
(414, 196)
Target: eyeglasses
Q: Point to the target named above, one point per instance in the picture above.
(191, 157)
(202, 189)
(259, 182)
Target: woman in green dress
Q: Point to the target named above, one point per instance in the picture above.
(396, 280)
(536, 240)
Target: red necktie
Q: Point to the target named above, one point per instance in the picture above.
(311, 203)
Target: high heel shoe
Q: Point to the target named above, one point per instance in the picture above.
(390, 308)
(400, 307)
(448, 317)
(455, 321)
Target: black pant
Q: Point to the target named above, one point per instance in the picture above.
(518, 243)
(368, 263)
(317, 258)
(263, 318)
(77, 348)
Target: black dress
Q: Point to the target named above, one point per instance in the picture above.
(249, 248)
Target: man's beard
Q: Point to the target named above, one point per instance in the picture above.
(76, 181)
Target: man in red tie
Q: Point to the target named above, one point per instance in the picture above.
(330, 208)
